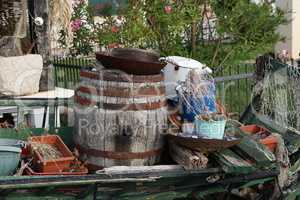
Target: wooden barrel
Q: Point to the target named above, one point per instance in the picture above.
(120, 119)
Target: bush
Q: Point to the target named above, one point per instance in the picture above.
(216, 32)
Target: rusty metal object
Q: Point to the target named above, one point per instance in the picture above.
(121, 107)
(119, 155)
(130, 66)
(110, 75)
(124, 93)
(136, 54)
(201, 144)
(135, 107)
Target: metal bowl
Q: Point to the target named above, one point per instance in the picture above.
(203, 144)
(136, 54)
(136, 62)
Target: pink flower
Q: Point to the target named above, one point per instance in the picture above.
(114, 29)
(76, 25)
(168, 9)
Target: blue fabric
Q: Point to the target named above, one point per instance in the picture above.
(195, 106)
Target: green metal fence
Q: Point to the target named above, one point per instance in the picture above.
(234, 84)
(66, 71)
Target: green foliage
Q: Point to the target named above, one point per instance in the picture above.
(82, 24)
(62, 40)
(251, 28)
(241, 30)
(215, 32)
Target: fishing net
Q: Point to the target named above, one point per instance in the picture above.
(279, 91)
(13, 25)
(197, 94)
(13, 15)
(276, 105)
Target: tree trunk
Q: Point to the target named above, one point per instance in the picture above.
(42, 9)
(193, 37)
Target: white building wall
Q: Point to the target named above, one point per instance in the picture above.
(291, 30)
(296, 29)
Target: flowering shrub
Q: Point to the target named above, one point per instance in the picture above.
(76, 25)
(213, 31)
(82, 26)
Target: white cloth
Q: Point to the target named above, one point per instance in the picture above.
(177, 70)
(20, 75)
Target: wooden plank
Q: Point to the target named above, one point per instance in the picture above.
(174, 186)
(233, 163)
(251, 148)
(187, 158)
(140, 136)
(75, 182)
(151, 132)
(111, 132)
(42, 9)
(162, 170)
(132, 189)
(124, 136)
(255, 150)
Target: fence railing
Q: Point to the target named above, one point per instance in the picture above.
(66, 71)
(234, 91)
(233, 84)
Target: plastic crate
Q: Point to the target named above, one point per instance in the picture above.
(53, 165)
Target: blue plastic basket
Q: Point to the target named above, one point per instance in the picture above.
(210, 129)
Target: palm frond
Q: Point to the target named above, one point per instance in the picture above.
(61, 11)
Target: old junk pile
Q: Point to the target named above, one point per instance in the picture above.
(160, 118)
